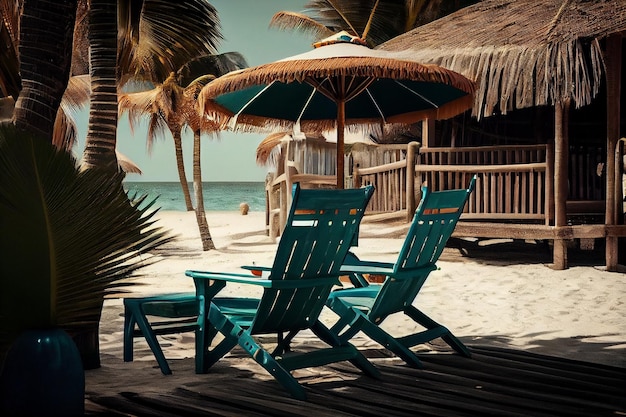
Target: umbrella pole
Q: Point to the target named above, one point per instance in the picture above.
(341, 119)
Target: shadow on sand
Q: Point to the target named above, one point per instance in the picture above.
(514, 252)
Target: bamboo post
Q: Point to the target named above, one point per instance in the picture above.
(357, 176)
(549, 183)
(561, 141)
(428, 133)
(613, 60)
(410, 180)
(341, 124)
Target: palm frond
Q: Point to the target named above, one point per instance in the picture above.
(170, 34)
(157, 126)
(138, 104)
(77, 92)
(380, 21)
(75, 98)
(300, 22)
(269, 149)
(213, 64)
(146, 103)
(65, 131)
(128, 166)
(67, 236)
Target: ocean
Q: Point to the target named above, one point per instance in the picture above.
(218, 196)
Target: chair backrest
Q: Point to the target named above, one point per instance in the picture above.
(433, 224)
(316, 238)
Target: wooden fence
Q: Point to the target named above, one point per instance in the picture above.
(512, 181)
(386, 167)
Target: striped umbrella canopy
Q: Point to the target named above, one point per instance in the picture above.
(341, 82)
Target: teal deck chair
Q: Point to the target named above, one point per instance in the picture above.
(366, 306)
(318, 234)
(164, 314)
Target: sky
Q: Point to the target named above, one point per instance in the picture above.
(232, 155)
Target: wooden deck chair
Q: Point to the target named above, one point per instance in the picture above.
(164, 314)
(366, 306)
(317, 236)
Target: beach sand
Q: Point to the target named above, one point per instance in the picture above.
(512, 300)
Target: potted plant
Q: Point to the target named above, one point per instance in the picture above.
(67, 237)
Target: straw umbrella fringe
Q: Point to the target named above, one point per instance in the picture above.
(295, 70)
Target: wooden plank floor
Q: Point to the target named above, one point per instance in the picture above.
(494, 382)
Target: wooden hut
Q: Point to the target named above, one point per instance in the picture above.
(523, 54)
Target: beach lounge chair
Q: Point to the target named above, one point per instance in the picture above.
(163, 314)
(366, 306)
(317, 236)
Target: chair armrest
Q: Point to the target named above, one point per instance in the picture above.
(265, 283)
(256, 268)
(229, 277)
(378, 268)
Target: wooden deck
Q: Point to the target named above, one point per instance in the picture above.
(494, 382)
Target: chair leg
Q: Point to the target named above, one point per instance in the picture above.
(140, 319)
(347, 326)
(283, 343)
(207, 330)
(358, 359)
(358, 321)
(129, 330)
(235, 334)
(267, 361)
(430, 324)
(204, 337)
(389, 342)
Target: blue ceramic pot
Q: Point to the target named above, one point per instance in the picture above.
(42, 376)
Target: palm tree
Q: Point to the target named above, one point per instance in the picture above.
(172, 106)
(375, 20)
(155, 39)
(45, 58)
(75, 97)
(44, 80)
(163, 105)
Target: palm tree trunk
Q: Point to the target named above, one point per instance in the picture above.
(101, 133)
(100, 143)
(205, 234)
(178, 147)
(45, 52)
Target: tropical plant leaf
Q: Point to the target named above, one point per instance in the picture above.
(299, 22)
(67, 237)
(217, 65)
(376, 21)
(170, 34)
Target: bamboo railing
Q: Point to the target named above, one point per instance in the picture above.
(512, 181)
(391, 170)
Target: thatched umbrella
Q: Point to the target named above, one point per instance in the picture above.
(527, 53)
(341, 82)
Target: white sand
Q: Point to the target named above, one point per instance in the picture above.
(578, 313)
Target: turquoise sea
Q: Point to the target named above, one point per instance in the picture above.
(218, 196)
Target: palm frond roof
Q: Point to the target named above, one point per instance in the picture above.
(521, 53)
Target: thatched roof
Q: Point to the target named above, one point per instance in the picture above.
(522, 53)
